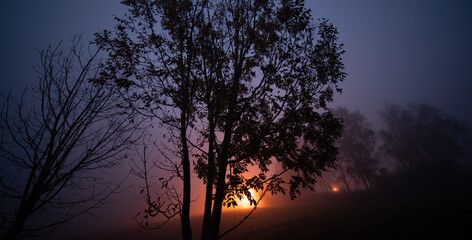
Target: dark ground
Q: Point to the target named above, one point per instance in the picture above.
(362, 217)
(337, 216)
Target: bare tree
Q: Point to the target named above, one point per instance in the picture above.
(56, 144)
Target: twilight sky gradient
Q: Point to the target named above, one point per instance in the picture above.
(396, 51)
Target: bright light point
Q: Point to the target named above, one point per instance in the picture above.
(335, 189)
(244, 202)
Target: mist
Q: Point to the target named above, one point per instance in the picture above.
(404, 162)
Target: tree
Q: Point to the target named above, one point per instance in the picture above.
(236, 84)
(54, 149)
(357, 159)
(420, 136)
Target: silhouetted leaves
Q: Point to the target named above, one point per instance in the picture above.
(249, 79)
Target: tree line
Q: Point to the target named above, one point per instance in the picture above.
(418, 146)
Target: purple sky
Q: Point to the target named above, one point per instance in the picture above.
(396, 51)
(404, 51)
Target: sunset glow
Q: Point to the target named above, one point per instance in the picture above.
(244, 202)
(335, 189)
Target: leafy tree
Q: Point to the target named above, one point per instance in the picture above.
(420, 136)
(52, 149)
(237, 84)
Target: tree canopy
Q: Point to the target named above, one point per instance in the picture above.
(236, 84)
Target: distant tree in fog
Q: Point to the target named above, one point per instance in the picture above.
(56, 144)
(356, 160)
(420, 136)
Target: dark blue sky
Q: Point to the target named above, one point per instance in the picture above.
(397, 51)
(28, 24)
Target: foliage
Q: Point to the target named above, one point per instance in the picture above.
(237, 84)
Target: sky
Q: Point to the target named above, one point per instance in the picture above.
(396, 51)
(404, 51)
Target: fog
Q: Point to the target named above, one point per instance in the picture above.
(407, 91)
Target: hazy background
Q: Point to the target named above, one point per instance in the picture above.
(396, 52)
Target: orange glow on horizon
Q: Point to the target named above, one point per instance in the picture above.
(335, 189)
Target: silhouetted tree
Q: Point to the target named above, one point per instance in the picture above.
(356, 159)
(53, 148)
(237, 84)
(420, 136)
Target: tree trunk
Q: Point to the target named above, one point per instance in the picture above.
(223, 163)
(15, 228)
(225, 146)
(210, 181)
(344, 180)
(366, 184)
(23, 212)
(185, 215)
(347, 186)
(218, 203)
(220, 182)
